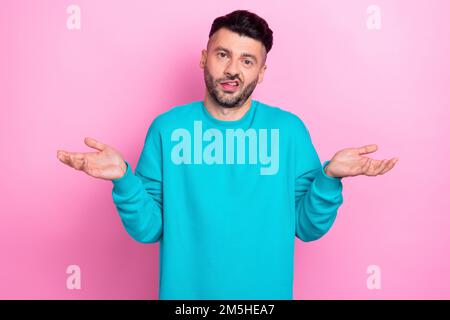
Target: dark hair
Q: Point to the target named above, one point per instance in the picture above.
(245, 23)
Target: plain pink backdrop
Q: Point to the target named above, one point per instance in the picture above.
(132, 60)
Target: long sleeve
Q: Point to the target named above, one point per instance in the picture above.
(317, 195)
(138, 197)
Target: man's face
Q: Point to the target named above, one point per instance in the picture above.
(231, 57)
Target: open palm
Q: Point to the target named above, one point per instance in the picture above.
(352, 162)
(107, 163)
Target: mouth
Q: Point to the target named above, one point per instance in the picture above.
(230, 85)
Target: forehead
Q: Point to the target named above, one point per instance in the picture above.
(235, 43)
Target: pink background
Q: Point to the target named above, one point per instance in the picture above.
(132, 60)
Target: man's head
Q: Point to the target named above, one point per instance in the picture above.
(236, 51)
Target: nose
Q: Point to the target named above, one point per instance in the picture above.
(232, 70)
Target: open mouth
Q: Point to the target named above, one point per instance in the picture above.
(230, 85)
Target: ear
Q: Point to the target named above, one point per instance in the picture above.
(261, 74)
(203, 58)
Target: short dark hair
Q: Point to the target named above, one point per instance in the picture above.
(245, 23)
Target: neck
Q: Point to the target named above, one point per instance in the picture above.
(226, 114)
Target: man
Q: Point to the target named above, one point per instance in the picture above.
(226, 184)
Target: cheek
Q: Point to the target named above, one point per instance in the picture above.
(214, 70)
(248, 76)
(253, 76)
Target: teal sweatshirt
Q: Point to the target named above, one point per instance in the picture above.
(226, 200)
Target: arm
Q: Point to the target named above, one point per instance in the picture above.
(138, 197)
(317, 195)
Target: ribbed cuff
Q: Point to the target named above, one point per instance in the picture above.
(327, 183)
(125, 183)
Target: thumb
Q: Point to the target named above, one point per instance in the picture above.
(368, 149)
(94, 144)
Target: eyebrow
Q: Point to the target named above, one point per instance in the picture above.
(219, 48)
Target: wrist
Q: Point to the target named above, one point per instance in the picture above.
(327, 172)
(123, 167)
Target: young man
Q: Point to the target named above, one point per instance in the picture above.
(227, 183)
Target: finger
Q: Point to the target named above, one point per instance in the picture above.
(78, 160)
(390, 165)
(370, 170)
(74, 160)
(367, 149)
(373, 167)
(366, 166)
(387, 167)
(381, 167)
(94, 144)
(63, 156)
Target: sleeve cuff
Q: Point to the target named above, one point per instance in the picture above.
(125, 183)
(327, 183)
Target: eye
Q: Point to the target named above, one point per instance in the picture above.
(249, 62)
(222, 54)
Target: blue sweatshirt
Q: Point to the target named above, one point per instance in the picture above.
(226, 200)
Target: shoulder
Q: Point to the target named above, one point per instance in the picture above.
(284, 118)
(173, 116)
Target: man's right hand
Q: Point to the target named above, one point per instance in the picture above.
(106, 164)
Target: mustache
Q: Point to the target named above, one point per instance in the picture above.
(230, 79)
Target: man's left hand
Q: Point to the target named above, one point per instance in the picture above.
(351, 162)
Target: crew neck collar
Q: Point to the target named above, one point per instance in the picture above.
(244, 121)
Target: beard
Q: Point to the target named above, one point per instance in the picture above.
(227, 100)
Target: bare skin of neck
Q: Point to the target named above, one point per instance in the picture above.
(226, 114)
